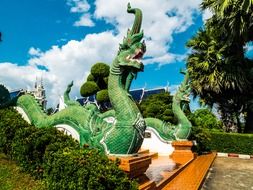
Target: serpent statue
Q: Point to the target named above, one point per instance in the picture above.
(124, 136)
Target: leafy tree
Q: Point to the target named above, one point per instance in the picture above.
(233, 17)
(158, 106)
(96, 83)
(203, 121)
(4, 95)
(206, 119)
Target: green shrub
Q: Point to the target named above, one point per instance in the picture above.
(202, 138)
(84, 169)
(10, 122)
(231, 142)
(203, 122)
(29, 146)
(90, 77)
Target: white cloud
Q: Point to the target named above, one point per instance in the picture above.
(64, 64)
(161, 19)
(82, 7)
(206, 15)
(34, 51)
(78, 6)
(72, 61)
(85, 20)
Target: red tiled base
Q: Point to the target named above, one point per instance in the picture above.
(182, 152)
(134, 166)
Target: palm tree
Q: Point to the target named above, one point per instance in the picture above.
(233, 15)
(216, 72)
(219, 71)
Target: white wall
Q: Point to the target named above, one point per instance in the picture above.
(156, 144)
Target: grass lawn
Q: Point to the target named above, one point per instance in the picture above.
(12, 179)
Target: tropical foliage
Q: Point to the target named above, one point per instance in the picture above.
(219, 71)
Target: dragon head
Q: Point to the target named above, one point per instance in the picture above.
(183, 93)
(131, 51)
(130, 57)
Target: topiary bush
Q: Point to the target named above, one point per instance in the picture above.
(100, 70)
(102, 96)
(97, 84)
(89, 88)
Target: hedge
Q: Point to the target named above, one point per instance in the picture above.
(231, 142)
(57, 159)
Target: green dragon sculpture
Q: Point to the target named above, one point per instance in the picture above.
(125, 136)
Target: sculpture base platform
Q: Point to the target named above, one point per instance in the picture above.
(182, 152)
(134, 166)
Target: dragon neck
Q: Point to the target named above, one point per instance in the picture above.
(124, 106)
(184, 125)
(178, 112)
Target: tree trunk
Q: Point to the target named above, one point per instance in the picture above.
(239, 127)
(249, 122)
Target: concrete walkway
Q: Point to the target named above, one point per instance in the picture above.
(230, 174)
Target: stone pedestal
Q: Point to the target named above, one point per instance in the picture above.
(134, 166)
(182, 152)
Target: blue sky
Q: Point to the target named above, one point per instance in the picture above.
(59, 40)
